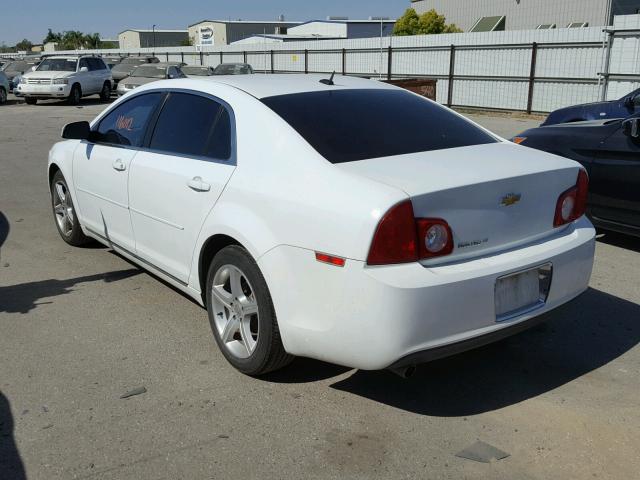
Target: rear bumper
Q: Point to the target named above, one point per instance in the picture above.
(448, 350)
(375, 317)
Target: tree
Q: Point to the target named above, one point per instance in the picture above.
(426, 24)
(52, 37)
(24, 44)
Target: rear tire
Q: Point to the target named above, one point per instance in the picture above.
(105, 93)
(75, 95)
(30, 100)
(64, 212)
(3, 95)
(241, 314)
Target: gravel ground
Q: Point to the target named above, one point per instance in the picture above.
(81, 327)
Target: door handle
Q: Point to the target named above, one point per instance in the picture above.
(119, 165)
(198, 185)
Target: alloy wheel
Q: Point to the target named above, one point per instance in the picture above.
(235, 309)
(63, 208)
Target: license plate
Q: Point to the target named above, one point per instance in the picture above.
(520, 292)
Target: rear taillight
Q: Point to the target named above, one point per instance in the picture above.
(572, 204)
(402, 238)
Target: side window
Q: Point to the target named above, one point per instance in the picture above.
(95, 64)
(127, 123)
(193, 125)
(83, 63)
(100, 65)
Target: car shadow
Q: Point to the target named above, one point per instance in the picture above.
(621, 240)
(4, 228)
(11, 466)
(24, 297)
(84, 102)
(579, 337)
(305, 370)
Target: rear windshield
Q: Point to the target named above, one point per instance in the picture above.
(150, 71)
(350, 125)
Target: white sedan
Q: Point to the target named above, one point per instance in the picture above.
(348, 221)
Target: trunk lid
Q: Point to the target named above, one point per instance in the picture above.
(494, 197)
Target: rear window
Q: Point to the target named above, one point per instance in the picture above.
(349, 125)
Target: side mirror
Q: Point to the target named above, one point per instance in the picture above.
(635, 102)
(76, 131)
(84, 69)
(33, 69)
(631, 128)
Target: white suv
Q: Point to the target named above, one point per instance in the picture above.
(70, 77)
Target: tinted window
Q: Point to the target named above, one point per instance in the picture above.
(193, 125)
(95, 64)
(350, 125)
(127, 123)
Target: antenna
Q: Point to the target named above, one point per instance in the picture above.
(330, 80)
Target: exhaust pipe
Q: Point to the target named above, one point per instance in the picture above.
(404, 372)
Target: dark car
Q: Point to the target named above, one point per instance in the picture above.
(622, 108)
(610, 151)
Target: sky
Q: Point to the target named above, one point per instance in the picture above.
(32, 18)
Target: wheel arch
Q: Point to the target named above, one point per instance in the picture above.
(53, 169)
(209, 249)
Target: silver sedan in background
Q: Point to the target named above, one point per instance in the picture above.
(150, 73)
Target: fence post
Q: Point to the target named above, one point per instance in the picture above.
(201, 58)
(244, 55)
(344, 61)
(167, 56)
(452, 65)
(182, 57)
(272, 66)
(607, 64)
(306, 61)
(532, 76)
(389, 62)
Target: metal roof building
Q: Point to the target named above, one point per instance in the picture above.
(223, 32)
(152, 38)
(344, 28)
(491, 15)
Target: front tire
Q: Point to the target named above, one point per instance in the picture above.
(75, 95)
(105, 93)
(241, 314)
(64, 212)
(3, 95)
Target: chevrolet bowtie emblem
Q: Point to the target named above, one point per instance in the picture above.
(510, 199)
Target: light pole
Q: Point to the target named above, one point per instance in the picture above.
(154, 36)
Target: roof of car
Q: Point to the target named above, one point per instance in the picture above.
(162, 64)
(262, 86)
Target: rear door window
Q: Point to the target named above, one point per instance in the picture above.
(127, 124)
(351, 125)
(193, 125)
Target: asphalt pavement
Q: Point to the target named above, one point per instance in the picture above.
(82, 327)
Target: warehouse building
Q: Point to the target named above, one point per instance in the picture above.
(222, 32)
(152, 38)
(330, 29)
(344, 28)
(492, 15)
